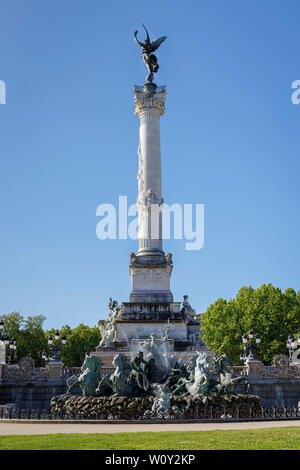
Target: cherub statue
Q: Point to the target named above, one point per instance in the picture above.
(150, 60)
(113, 304)
(161, 402)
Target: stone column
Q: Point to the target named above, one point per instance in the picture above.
(150, 269)
(149, 108)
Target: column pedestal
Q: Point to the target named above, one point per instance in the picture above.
(55, 370)
(254, 367)
(150, 279)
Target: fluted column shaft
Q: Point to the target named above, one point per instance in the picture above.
(149, 108)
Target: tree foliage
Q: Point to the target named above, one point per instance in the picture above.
(80, 340)
(32, 339)
(29, 335)
(268, 311)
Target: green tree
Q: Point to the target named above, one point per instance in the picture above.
(80, 340)
(268, 311)
(29, 335)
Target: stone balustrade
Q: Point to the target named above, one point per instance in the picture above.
(69, 371)
(53, 371)
(239, 370)
(281, 369)
(152, 311)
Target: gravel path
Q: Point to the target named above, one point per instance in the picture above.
(56, 428)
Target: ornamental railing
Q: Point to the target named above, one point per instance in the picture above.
(206, 415)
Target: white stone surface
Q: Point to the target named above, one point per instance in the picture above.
(151, 279)
(2, 353)
(149, 109)
(128, 331)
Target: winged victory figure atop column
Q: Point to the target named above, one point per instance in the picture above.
(148, 47)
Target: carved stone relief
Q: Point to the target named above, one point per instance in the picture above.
(25, 371)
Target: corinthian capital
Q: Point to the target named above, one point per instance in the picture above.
(153, 103)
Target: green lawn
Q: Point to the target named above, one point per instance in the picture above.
(260, 439)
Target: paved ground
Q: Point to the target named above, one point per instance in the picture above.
(55, 428)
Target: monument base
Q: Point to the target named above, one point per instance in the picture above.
(150, 273)
(181, 338)
(130, 330)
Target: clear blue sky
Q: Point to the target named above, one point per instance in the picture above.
(68, 142)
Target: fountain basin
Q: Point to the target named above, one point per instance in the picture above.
(125, 408)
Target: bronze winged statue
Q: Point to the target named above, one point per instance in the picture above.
(148, 47)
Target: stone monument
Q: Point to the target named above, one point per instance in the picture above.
(151, 307)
